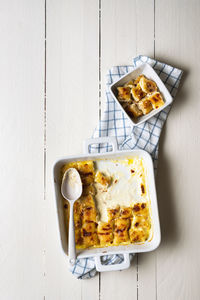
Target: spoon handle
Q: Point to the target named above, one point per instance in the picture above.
(72, 247)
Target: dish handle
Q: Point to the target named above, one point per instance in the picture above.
(115, 267)
(101, 140)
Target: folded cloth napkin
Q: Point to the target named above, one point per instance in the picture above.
(145, 136)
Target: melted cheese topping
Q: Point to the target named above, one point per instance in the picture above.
(128, 178)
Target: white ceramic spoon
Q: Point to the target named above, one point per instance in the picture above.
(71, 189)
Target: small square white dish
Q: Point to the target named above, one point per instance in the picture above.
(149, 72)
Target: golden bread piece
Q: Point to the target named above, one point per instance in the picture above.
(126, 212)
(156, 100)
(129, 84)
(124, 93)
(138, 236)
(87, 201)
(113, 213)
(105, 238)
(89, 239)
(121, 230)
(105, 233)
(140, 209)
(86, 170)
(148, 86)
(102, 179)
(89, 227)
(145, 106)
(137, 80)
(89, 212)
(133, 111)
(141, 222)
(137, 93)
(85, 167)
(140, 229)
(88, 190)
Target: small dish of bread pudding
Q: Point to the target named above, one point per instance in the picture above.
(141, 94)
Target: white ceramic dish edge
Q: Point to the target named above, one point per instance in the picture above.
(149, 72)
(125, 250)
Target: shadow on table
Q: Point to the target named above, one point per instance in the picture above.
(165, 192)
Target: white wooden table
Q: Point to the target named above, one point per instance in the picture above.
(53, 59)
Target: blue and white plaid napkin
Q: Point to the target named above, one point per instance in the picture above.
(145, 136)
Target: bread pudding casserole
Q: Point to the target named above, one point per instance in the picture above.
(114, 208)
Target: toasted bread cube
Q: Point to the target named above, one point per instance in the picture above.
(137, 80)
(105, 238)
(148, 86)
(89, 212)
(105, 233)
(89, 239)
(87, 179)
(141, 222)
(124, 93)
(121, 230)
(102, 179)
(85, 167)
(88, 190)
(133, 111)
(89, 233)
(104, 227)
(86, 170)
(138, 235)
(140, 226)
(141, 209)
(126, 212)
(129, 84)
(87, 201)
(113, 213)
(145, 106)
(137, 93)
(156, 100)
(90, 226)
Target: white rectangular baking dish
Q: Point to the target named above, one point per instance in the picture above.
(149, 72)
(125, 250)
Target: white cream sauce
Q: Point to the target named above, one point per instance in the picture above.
(125, 189)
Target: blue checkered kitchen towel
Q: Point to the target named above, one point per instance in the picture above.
(144, 136)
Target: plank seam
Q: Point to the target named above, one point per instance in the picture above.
(154, 29)
(99, 101)
(45, 105)
(99, 59)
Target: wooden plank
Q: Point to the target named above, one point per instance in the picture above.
(72, 115)
(127, 30)
(178, 41)
(21, 160)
